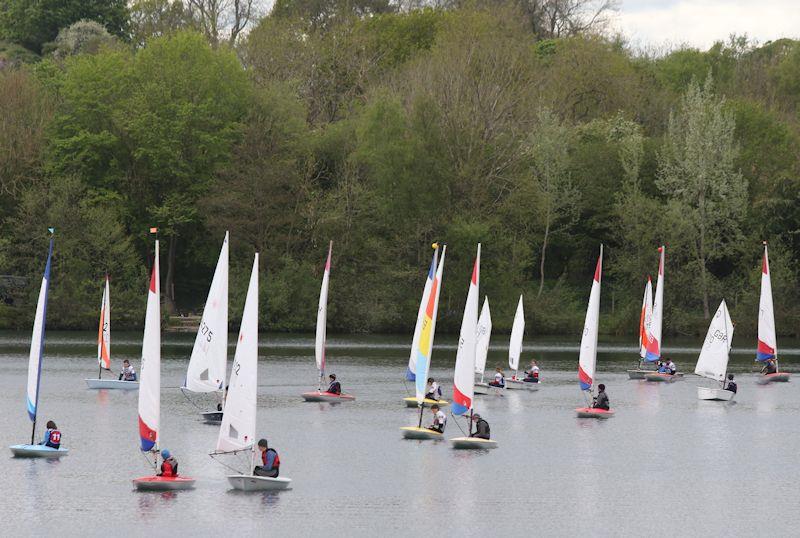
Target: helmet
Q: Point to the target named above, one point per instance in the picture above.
(165, 454)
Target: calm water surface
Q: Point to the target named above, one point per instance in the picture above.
(666, 465)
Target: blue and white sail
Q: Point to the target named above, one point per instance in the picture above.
(37, 341)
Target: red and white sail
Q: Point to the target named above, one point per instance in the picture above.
(104, 330)
(209, 361)
(238, 428)
(654, 344)
(588, 352)
(646, 318)
(322, 317)
(767, 343)
(150, 379)
(464, 375)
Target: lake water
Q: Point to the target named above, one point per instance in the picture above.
(665, 465)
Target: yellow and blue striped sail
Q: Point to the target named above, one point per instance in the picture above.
(411, 371)
(425, 345)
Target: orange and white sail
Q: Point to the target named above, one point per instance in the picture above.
(104, 330)
(646, 318)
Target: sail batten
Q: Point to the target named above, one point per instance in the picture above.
(209, 361)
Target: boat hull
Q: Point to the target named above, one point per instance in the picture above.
(638, 374)
(412, 402)
(473, 443)
(718, 395)
(777, 377)
(518, 384)
(112, 384)
(37, 451)
(163, 483)
(593, 412)
(481, 388)
(657, 377)
(258, 483)
(317, 396)
(212, 417)
(420, 434)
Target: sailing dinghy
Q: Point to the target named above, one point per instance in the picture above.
(237, 433)
(588, 355)
(464, 374)
(422, 346)
(428, 290)
(713, 360)
(150, 391)
(209, 361)
(320, 395)
(514, 350)
(645, 319)
(482, 346)
(104, 349)
(767, 342)
(35, 373)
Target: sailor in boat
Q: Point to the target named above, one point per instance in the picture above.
(270, 461)
(433, 390)
(671, 368)
(224, 397)
(169, 467)
(127, 373)
(52, 437)
(481, 427)
(601, 400)
(730, 384)
(532, 375)
(499, 378)
(335, 387)
(439, 419)
(769, 367)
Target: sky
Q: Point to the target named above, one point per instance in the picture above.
(700, 23)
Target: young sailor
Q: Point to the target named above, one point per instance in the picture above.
(169, 467)
(439, 419)
(601, 400)
(499, 378)
(769, 367)
(127, 373)
(671, 368)
(52, 437)
(731, 384)
(270, 461)
(481, 427)
(433, 390)
(532, 375)
(335, 387)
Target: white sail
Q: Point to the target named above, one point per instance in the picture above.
(588, 353)
(150, 378)
(713, 360)
(37, 342)
(484, 335)
(464, 374)
(322, 317)
(646, 318)
(517, 332)
(238, 428)
(209, 361)
(767, 343)
(104, 330)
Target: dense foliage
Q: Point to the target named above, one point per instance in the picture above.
(386, 129)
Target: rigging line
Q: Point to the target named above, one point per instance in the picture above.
(213, 454)
(456, 422)
(190, 400)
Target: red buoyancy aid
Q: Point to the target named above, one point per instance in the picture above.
(169, 467)
(55, 438)
(276, 463)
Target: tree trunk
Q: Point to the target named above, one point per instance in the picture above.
(169, 286)
(541, 262)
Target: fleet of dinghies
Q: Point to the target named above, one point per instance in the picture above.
(237, 406)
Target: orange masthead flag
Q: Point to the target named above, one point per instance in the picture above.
(153, 230)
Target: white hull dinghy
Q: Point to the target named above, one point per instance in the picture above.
(638, 373)
(473, 443)
(482, 389)
(258, 483)
(35, 372)
(587, 360)
(713, 360)
(37, 451)
(660, 377)
(420, 434)
(112, 384)
(212, 417)
(237, 433)
(518, 384)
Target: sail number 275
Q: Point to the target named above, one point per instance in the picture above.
(206, 331)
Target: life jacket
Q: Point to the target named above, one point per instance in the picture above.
(169, 467)
(276, 463)
(55, 439)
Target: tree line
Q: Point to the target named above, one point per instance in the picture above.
(525, 125)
